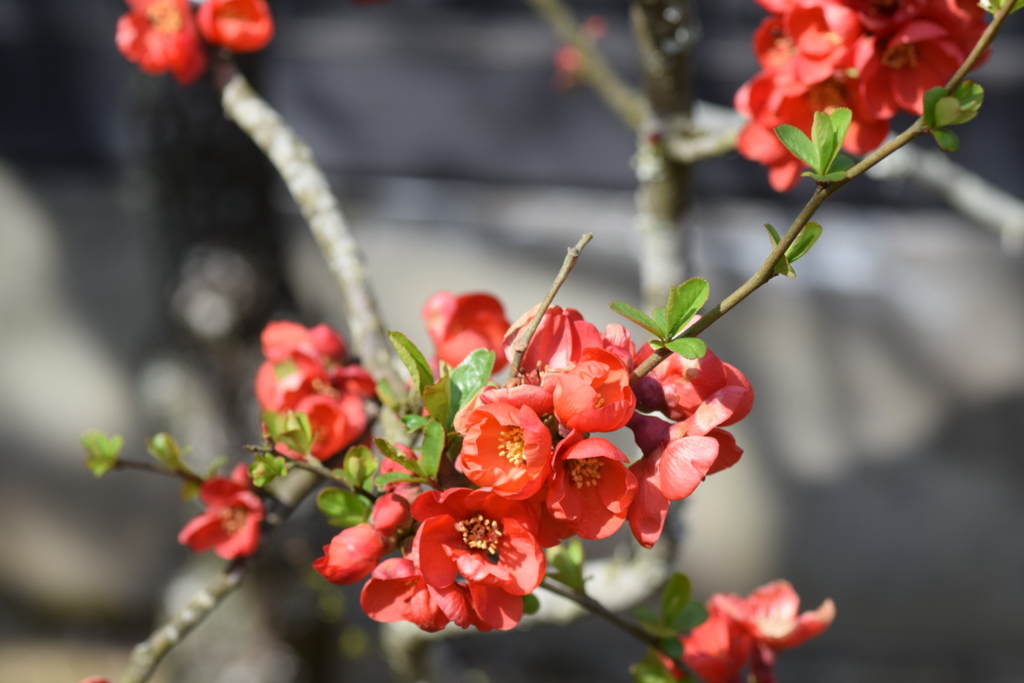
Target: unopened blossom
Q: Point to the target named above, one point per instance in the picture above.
(160, 36)
(352, 554)
(238, 25)
(594, 395)
(231, 524)
(459, 325)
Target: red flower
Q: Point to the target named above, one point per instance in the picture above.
(679, 386)
(560, 339)
(460, 325)
(352, 554)
(591, 489)
(337, 423)
(238, 25)
(594, 396)
(771, 615)
(390, 512)
(231, 523)
(397, 592)
(489, 540)
(718, 649)
(160, 36)
(507, 449)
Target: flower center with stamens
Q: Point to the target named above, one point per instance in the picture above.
(480, 533)
(900, 56)
(512, 446)
(585, 472)
(232, 519)
(165, 16)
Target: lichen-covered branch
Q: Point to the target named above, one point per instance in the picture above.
(594, 68)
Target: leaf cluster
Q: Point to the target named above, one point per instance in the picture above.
(943, 108)
(101, 451)
(821, 150)
(800, 246)
(665, 323)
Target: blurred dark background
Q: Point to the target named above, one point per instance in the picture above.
(144, 243)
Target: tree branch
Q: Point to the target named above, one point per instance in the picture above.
(523, 343)
(157, 469)
(595, 70)
(594, 607)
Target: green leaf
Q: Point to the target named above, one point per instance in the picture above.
(842, 164)
(387, 395)
(415, 361)
(797, 142)
(692, 615)
(646, 614)
(438, 399)
(971, 96)
(825, 177)
(568, 560)
(684, 301)
(930, 99)
(773, 234)
(433, 448)
(359, 465)
(824, 138)
(530, 604)
(651, 669)
(673, 647)
(297, 432)
(165, 449)
(661, 320)
(472, 375)
(384, 480)
(841, 118)
(782, 267)
(675, 598)
(415, 422)
(101, 451)
(392, 453)
(342, 508)
(688, 347)
(267, 468)
(804, 241)
(947, 111)
(637, 316)
(947, 139)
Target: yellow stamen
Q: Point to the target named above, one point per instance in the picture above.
(585, 472)
(165, 16)
(512, 446)
(480, 533)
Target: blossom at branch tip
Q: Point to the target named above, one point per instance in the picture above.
(160, 36)
(231, 524)
(238, 25)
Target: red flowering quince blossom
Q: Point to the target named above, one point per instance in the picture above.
(591, 486)
(161, 36)
(238, 25)
(488, 540)
(594, 395)
(717, 650)
(506, 448)
(558, 342)
(354, 552)
(771, 615)
(231, 523)
(459, 325)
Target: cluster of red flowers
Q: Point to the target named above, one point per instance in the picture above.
(875, 57)
(307, 370)
(534, 472)
(750, 631)
(165, 35)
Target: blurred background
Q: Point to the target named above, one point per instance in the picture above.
(144, 243)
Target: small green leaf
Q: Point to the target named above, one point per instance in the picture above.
(661, 320)
(947, 139)
(387, 395)
(389, 478)
(392, 453)
(684, 301)
(415, 423)
(841, 118)
(293, 430)
(438, 399)
(673, 647)
(930, 99)
(568, 560)
(359, 465)
(165, 449)
(842, 164)
(675, 598)
(824, 138)
(804, 241)
(773, 234)
(688, 347)
(947, 111)
(101, 451)
(530, 604)
(825, 177)
(415, 361)
(342, 508)
(637, 316)
(472, 375)
(971, 96)
(692, 615)
(433, 448)
(646, 614)
(782, 267)
(267, 468)
(797, 142)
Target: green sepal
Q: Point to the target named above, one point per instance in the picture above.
(359, 465)
(343, 508)
(101, 451)
(688, 347)
(433, 448)
(414, 360)
(947, 139)
(639, 317)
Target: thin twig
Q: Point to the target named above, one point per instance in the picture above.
(158, 469)
(707, 145)
(523, 343)
(311, 464)
(594, 68)
(821, 193)
(593, 606)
